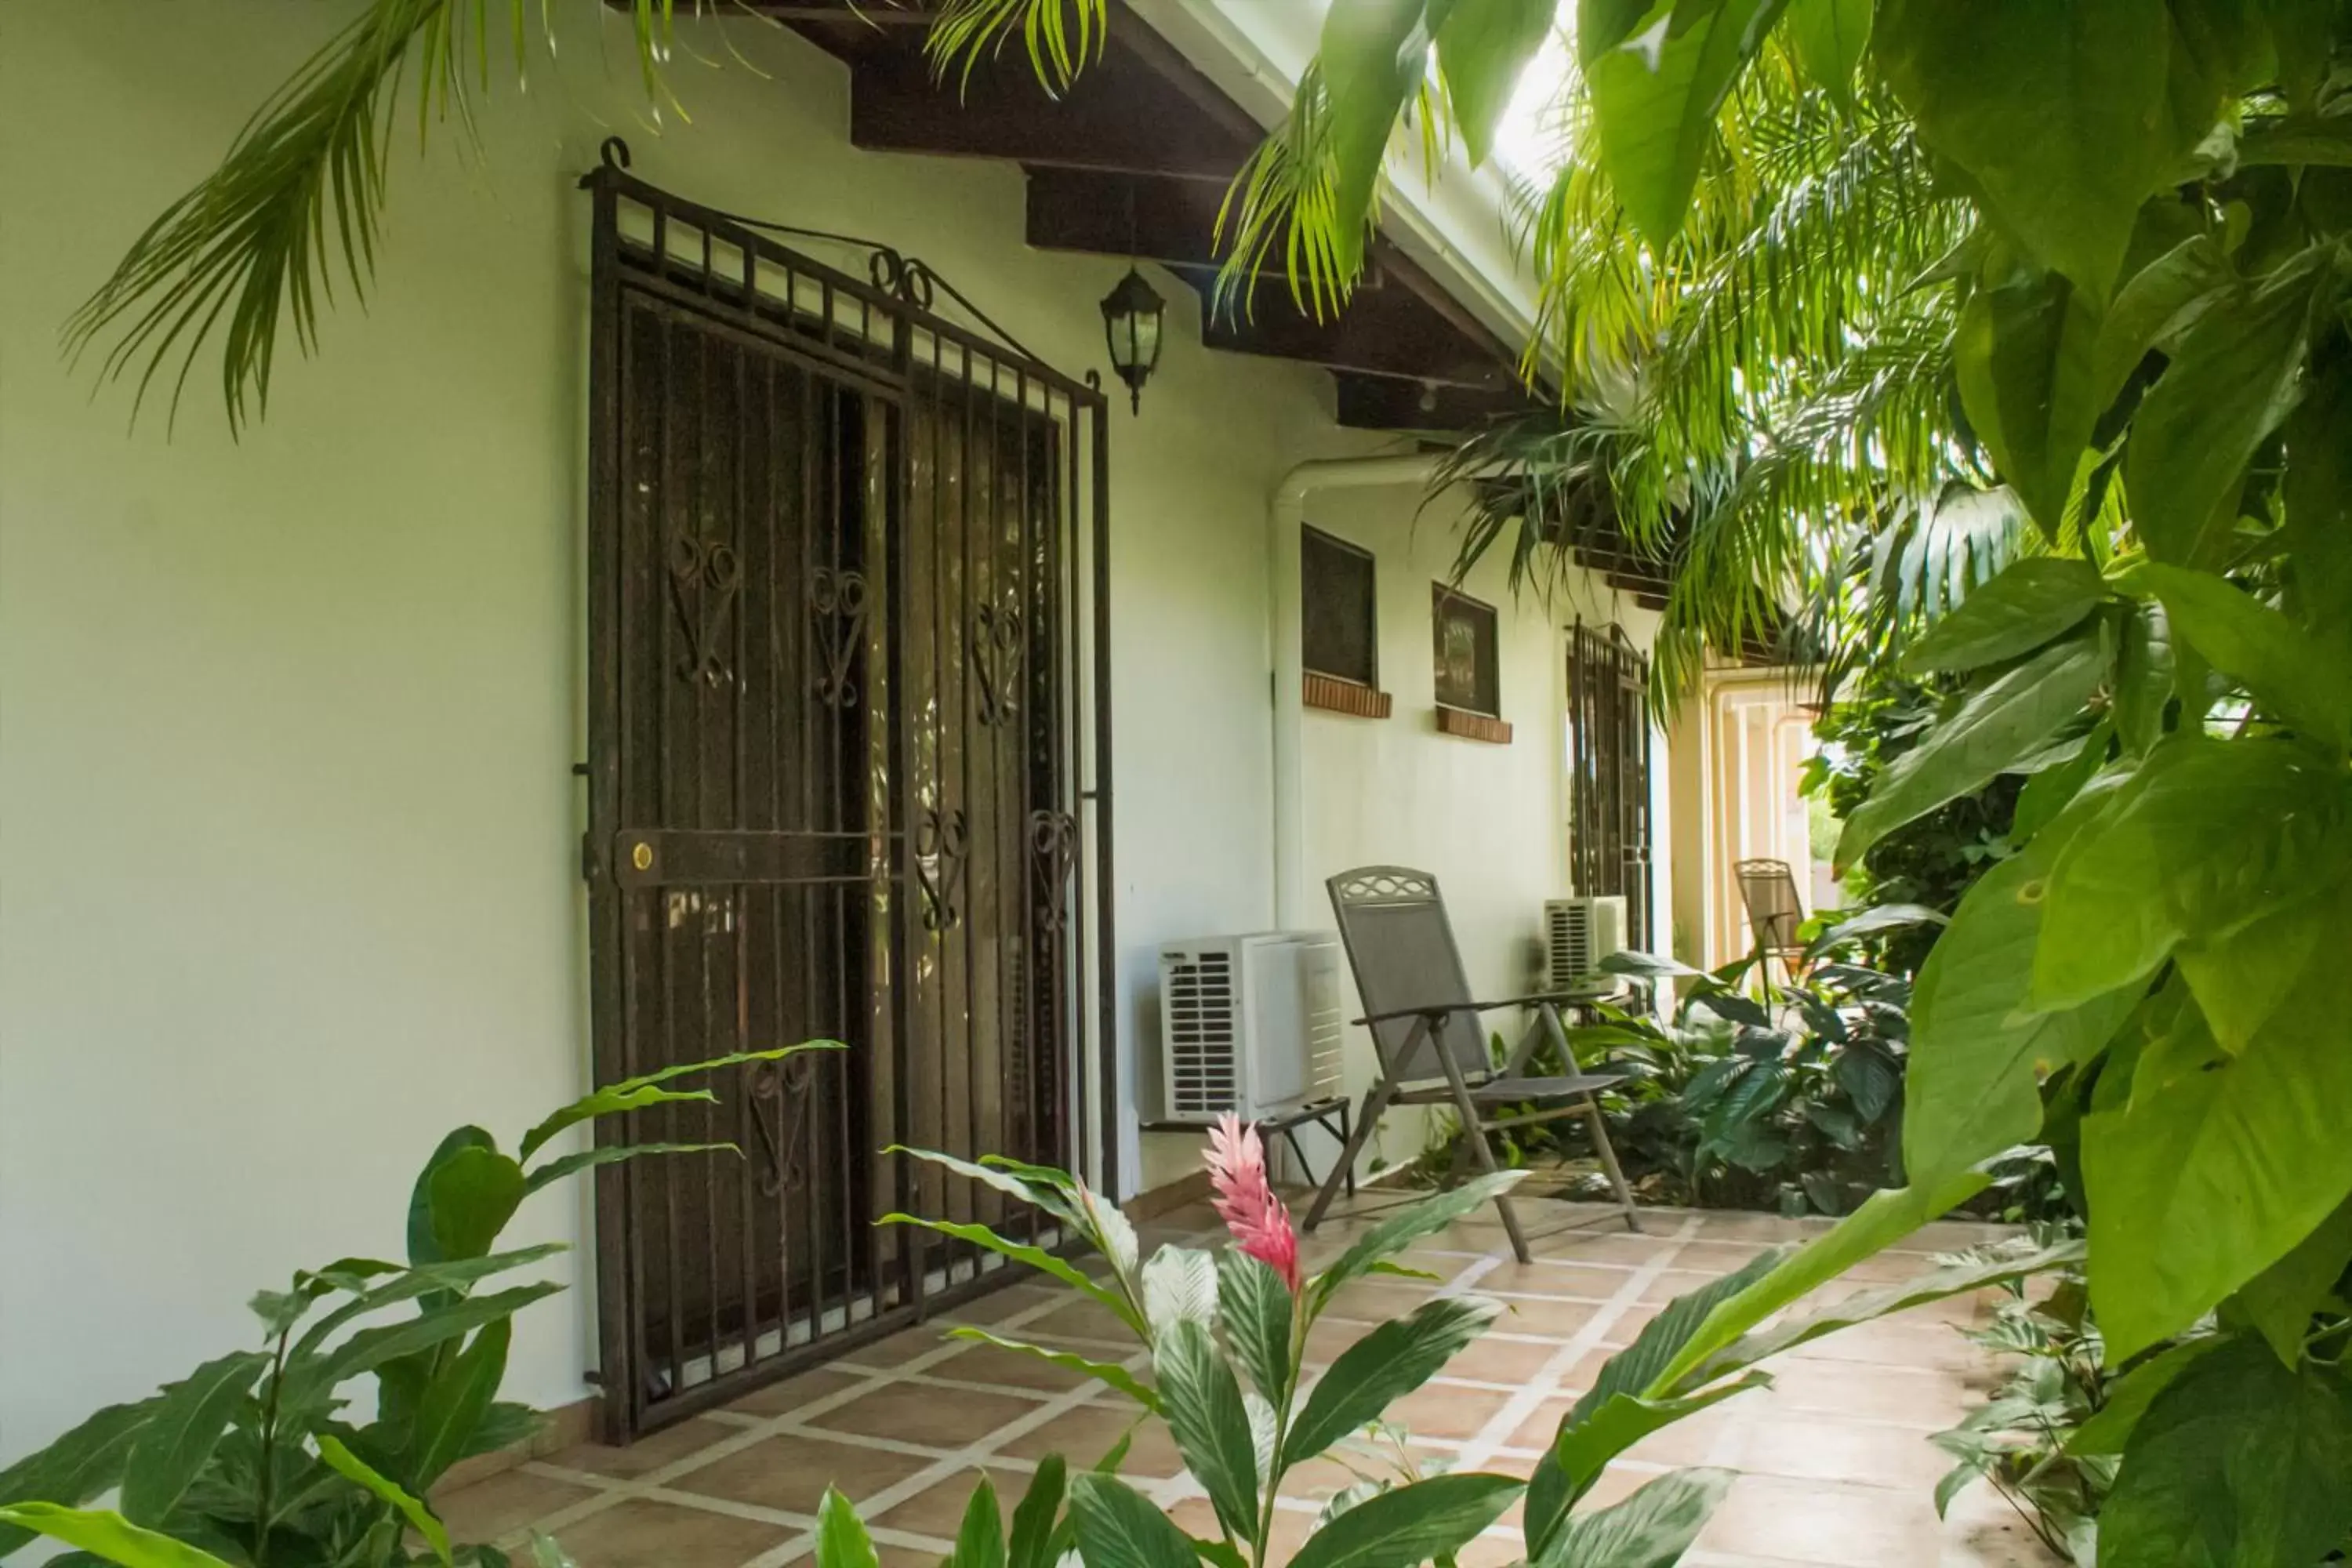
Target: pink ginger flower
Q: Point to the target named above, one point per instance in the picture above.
(1245, 1199)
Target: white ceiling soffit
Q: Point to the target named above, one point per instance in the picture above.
(1455, 226)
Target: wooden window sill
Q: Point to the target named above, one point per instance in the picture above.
(1474, 726)
(1335, 696)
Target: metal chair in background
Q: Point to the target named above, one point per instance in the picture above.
(1769, 891)
(1432, 1046)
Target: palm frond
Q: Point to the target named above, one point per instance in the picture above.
(1062, 37)
(1286, 196)
(298, 201)
(300, 198)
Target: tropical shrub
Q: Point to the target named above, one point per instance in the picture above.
(2117, 299)
(252, 1460)
(1735, 1102)
(1930, 861)
(2024, 1441)
(1227, 1335)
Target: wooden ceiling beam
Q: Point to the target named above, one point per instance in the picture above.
(1402, 403)
(1120, 116)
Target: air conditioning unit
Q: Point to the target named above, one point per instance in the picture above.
(1578, 934)
(1248, 1023)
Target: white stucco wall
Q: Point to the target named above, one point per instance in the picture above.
(288, 836)
(1490, 821)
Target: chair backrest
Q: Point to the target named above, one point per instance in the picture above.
(1401, 947)
(1774, 911)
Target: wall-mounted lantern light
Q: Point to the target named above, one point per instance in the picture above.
(1131, 316)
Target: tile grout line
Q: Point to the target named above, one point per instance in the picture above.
(620, 1491)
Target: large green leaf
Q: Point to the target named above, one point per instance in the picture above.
(1482, 48)
(2280, 1300)
(2208, 1177)
(2023, 356)
(2240, 1461)
(2231, 382)
(2318, 494)
(1409, 1525)
(1999, 725)
(1203, 1401)
(841, 1538)
(419, 1517)
(454, 1404)
(1179, 1286)
(447, 1280)
(1656, 90)
(1586, 1443)
(2029, 603)
(1046, 1263)
(106, 1535)
(2287, 669)
(1109, 1373)
(473, 1193)
(2056, 111)
(1405, 1227)
(2206, 835)
(1257, 1312)
(2156, 305)
(1651, 1529)
(2109, 1431)
(311, 1378)
(187, 1425)
(1382, 1367)
(1373, 58)
(2015, 1260)
(85, 1462)
(2144, 678)
(1884, 1218)
(1634, 1373)
(1118, 1527)
(555, 1170)
(636, 1093)
(1829, 38)
(980, 1542)
(1977, 1046)
(421, 1247)
(1041, 1186)
(2240, 977)
(1035, 1521)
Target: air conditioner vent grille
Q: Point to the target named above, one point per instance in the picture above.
(1201, 1033)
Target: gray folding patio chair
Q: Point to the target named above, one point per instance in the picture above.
(1432, 1046)
(1767, 889)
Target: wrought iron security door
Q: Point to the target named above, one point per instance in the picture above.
(1609, 773)
(846, 656)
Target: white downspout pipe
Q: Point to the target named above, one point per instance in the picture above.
(1284, 513)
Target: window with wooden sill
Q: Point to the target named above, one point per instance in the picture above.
(1340, 628)
(1469, 676)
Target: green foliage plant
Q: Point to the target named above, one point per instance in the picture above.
(256, 1459)
(295, 208)
(1792, 1104)
(1225, 1338)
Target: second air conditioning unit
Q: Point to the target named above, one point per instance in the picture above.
(1578, 934)
(1248, 1025)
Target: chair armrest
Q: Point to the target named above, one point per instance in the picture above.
(1441, 1011)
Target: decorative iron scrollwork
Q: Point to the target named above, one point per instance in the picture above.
(996, 660)
(780, 1097)
(711, 566)
(1054, 846)
(837, 614)
(942, 845)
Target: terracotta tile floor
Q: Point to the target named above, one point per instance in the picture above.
(1835, 1468)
